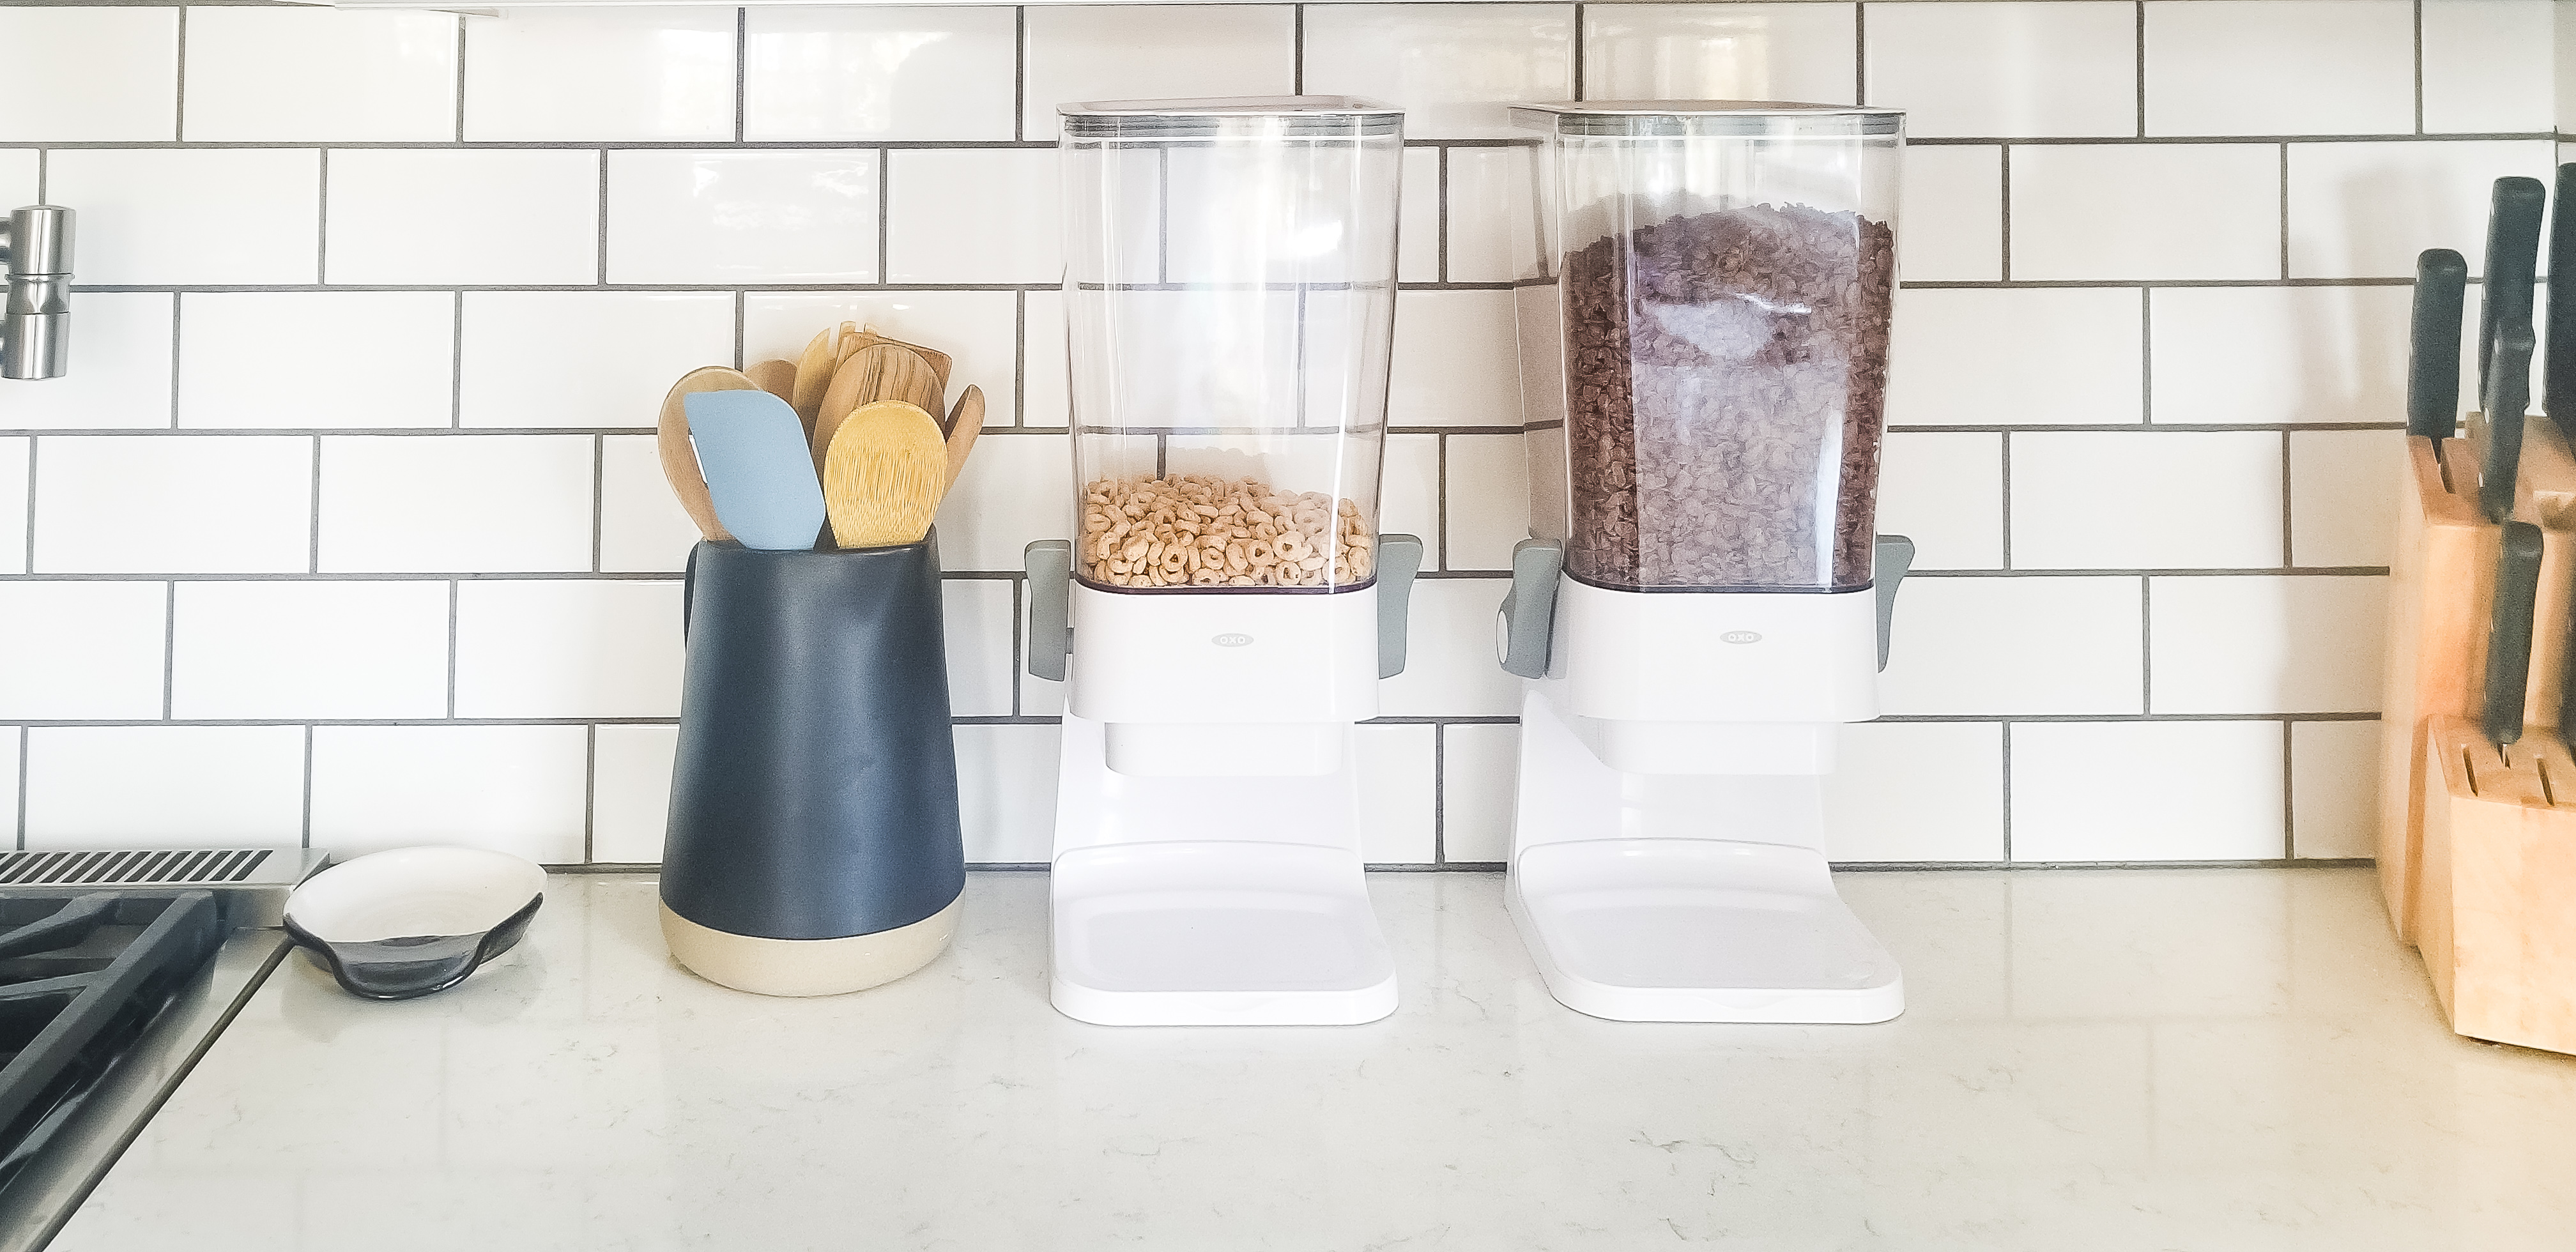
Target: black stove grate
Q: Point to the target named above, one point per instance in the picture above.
(174, 868)
(82, 973)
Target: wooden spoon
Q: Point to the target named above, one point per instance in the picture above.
(813, 378)
(778, 378)
(679, 457)
(940, 362)
(884, 475)
(880, 371)
(963, 426)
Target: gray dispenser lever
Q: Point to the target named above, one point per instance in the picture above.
(1399, 558)
(1890, 558)
(1050, 569)
(1529, 611)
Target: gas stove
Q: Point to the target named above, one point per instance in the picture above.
(117, 970)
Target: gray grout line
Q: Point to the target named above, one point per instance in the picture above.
(313, 512)
(598, 497)
(456, 368)
(1297, 51)
(2007, 779)
(169, 650)
(926, 145)
(2139, 66)
(23, 737)
(451, 651)
(43, 170)
(1019, 365)
(1439, 795)
(590, 794)
(1581, 88)
(2419, 66)
(2289, 552)
(601, 221)
(2003, 164)
(2289, 802)
(1860, 54)
(740, 313)
(1019, 73)
(2146, 644)
(885, 214)
(29, 552)
(741, 70)
(2146, 357)
(177, 326)
(2284, 207)
(460, 77)
(322, 217)
(305, 839)
(179, 88)
(2007, 504)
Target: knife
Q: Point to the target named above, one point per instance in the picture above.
(2509, 634)
(2433, 342)
(2506, 397)
(2513, 251)
(2558, 372)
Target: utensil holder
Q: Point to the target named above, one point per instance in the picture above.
(813, 846)
(2498, 870)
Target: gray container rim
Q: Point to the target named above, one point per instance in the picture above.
(1665, 118)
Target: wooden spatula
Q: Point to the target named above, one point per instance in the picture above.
(880, 371)
(813, 377)
(679, 458)
(884, 475)
(778, 378)
(963, 425)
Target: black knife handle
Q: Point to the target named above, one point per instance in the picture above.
(2507, 396)
(2558, 371)
(2513, 254)
(2433, 343)
(2509, 635)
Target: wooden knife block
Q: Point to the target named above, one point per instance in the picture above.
(2498, 885)
(2441, 589)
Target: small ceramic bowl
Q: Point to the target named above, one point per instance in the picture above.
(393, 925)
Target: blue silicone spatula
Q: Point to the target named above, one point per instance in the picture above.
(760, 475)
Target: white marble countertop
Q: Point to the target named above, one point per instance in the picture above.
(2101, 1060)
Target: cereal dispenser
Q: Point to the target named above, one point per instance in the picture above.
(1230, 296)
(1704, 340)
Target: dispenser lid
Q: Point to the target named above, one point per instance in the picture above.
(1705, 117)
(1285, 116)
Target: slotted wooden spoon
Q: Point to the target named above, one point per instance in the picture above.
(884, 475)
(680, 457)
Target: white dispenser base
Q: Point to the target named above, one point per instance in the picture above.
(1683, 898)
(1210, 901)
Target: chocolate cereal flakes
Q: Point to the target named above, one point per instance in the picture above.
(1727, 378)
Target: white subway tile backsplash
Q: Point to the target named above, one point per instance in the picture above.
(1044, 380)
(18, 176)
(1417, 233)
(1157, 52)
(363, 359)
(164, 786)
(1945, 491)
(2343, 502)
(878, 73)
(977, 621)
(1981, 357)
(1951, 221)
(1006, 792)
(594, 648)
(2363, 210)
(514, 789)
(2487, 66)
(89, 74)
(601, 73)
(630, 792)
(1489, 56)
(2263, 355)
(1015, 488)
(173, 504)
(2260, 67)
(2104, 500)
(2146, 211)
(742, 217)
(2146, 791)
(2334, 789)
(584, 358)
(119, 376)
(642, 529)
(1720, 52)
(403, 504)
(101, 649)
(1449, 668)
(1916, 791)
(972, 216)
(15, 485)
(255, 75)
(1488, 501)
(1479, 773)
(1969, 646)
(171, 216)
(1488, 189)
(1457, 360)
(463, 217)
(979, 329)
(2307, 644)
(1409, 492)
(2006, 70)
(277, 650)
(1399, 793)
